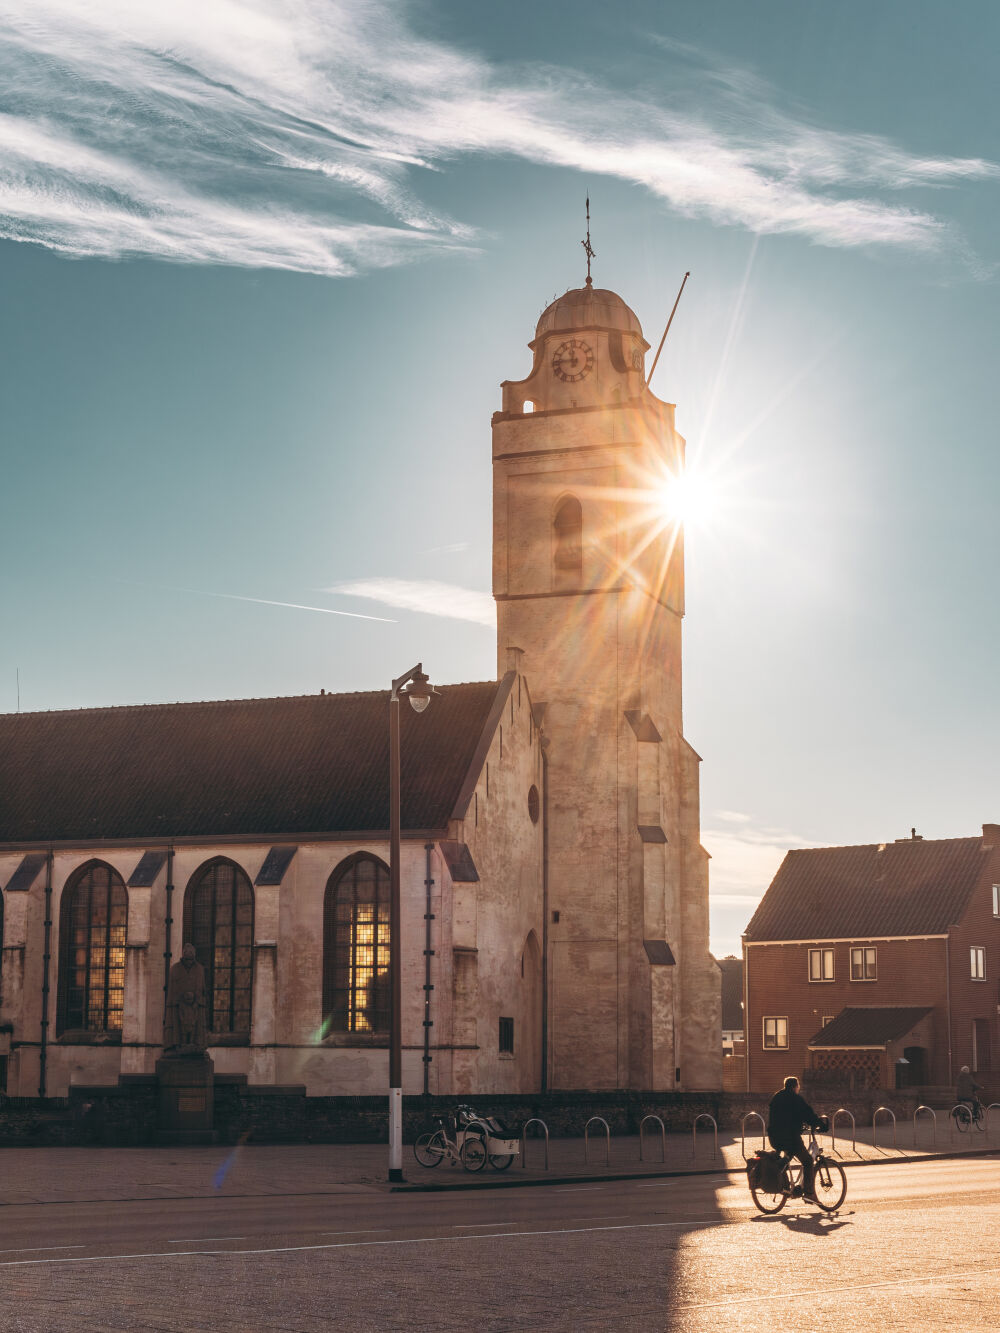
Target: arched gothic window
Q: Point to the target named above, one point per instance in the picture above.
(356, 991)
(218, 921)
(567, 530)
(92, 930)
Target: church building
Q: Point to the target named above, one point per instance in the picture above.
(554, 891)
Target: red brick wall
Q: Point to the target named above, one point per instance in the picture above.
(910, 972)
(976, 999)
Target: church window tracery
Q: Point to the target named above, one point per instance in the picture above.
(218, 921)
(356, 990)
(93, 927)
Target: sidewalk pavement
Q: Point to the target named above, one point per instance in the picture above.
(76, 1175)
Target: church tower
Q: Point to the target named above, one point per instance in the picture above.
(588, 575)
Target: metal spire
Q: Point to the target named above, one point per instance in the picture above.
(588, 249)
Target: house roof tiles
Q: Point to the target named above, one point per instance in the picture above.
(306, 764)
(916, 887)
(856, 1026)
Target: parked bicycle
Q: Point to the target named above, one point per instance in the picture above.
(774, 1179)
(463, 1136)
(967, 1114)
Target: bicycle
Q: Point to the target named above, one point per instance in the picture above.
(467, 1138)
(829, 1180)
(966, 1115)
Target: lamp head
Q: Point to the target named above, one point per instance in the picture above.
(419, 691)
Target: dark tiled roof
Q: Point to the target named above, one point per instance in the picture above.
(899, 888)
(309, 764)
(869, 1027)
(732, 994)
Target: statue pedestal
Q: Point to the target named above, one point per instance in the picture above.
(185, 1099)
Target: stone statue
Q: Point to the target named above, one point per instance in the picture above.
(184, 1020)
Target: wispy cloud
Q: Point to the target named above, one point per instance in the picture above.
(745, 856)
(428, 596)
(292, 134)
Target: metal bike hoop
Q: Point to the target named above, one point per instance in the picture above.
(992, 1106)
(933, 1115)
(663, 1136)
(842, 1110)
(694, 1132)
(751, 1115)
(596, 1119)
(875, 1115)
(524, 1139)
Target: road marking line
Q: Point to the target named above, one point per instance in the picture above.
(41, 1249)
(813, 1291)
(197, 1240)
(350, 1244)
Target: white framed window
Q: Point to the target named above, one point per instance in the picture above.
(828, 1018)
(864, 963)
(996, 899)
(820, 964)
(775, 1034)
(977, 963)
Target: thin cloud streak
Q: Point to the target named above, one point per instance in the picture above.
(293, 606)
(289, 135)
(429, 597)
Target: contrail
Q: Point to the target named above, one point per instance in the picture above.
(294, 606)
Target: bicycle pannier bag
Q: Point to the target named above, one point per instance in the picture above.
(766, 1172)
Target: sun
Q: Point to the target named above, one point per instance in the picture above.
(686, 497)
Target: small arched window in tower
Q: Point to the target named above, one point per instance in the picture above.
(218, 921)
(527, 405)
(356, 947)
(567, 529)
(92, 930)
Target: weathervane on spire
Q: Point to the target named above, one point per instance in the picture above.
(588, 249)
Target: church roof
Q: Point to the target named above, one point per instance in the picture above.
(588, 308)
(306, 764)
(913, 887)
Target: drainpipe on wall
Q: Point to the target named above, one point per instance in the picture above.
(947, 987)
(46, 955)
(428, 955)
(746, 1013)
(545, 919)
(168, 928)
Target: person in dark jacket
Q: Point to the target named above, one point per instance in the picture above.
(966, 1091)
(787, 1113)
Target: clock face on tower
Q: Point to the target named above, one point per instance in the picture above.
(572, 360)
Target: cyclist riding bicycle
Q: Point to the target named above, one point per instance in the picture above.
(965, 1092)
(787, 1113)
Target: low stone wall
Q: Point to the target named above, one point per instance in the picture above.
(125, 1115)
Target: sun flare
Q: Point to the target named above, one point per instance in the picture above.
(686, 498)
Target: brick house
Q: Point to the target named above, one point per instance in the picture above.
(877, 965)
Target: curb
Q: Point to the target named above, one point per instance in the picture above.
(514, 1183)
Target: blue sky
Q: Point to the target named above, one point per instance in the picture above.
(265, 265)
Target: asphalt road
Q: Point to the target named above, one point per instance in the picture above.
(912, 1248)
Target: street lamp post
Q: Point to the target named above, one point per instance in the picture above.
(419, 694)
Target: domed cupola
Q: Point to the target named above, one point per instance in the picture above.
(588, 308)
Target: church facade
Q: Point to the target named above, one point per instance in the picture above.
(554, 890)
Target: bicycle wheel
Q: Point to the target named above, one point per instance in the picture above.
(473, 1153)
(829, 1184)
(979, 1120)
(963, 1119)
(766, 1201)
(500, 1161)
(429, 1149)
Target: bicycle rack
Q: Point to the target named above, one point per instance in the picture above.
(965, 1106)
(842, 1110)
(875, 1115)
(933, 1114)
(989, 1108)
(596, 1119)
(663, 1136)
(694, 1133)
(524, 1139)
(751, 1115)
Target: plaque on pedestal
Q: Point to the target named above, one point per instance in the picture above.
(185, 1099)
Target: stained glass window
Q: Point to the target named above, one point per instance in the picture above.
(93, 927)
(218, 921)
(356, 989)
